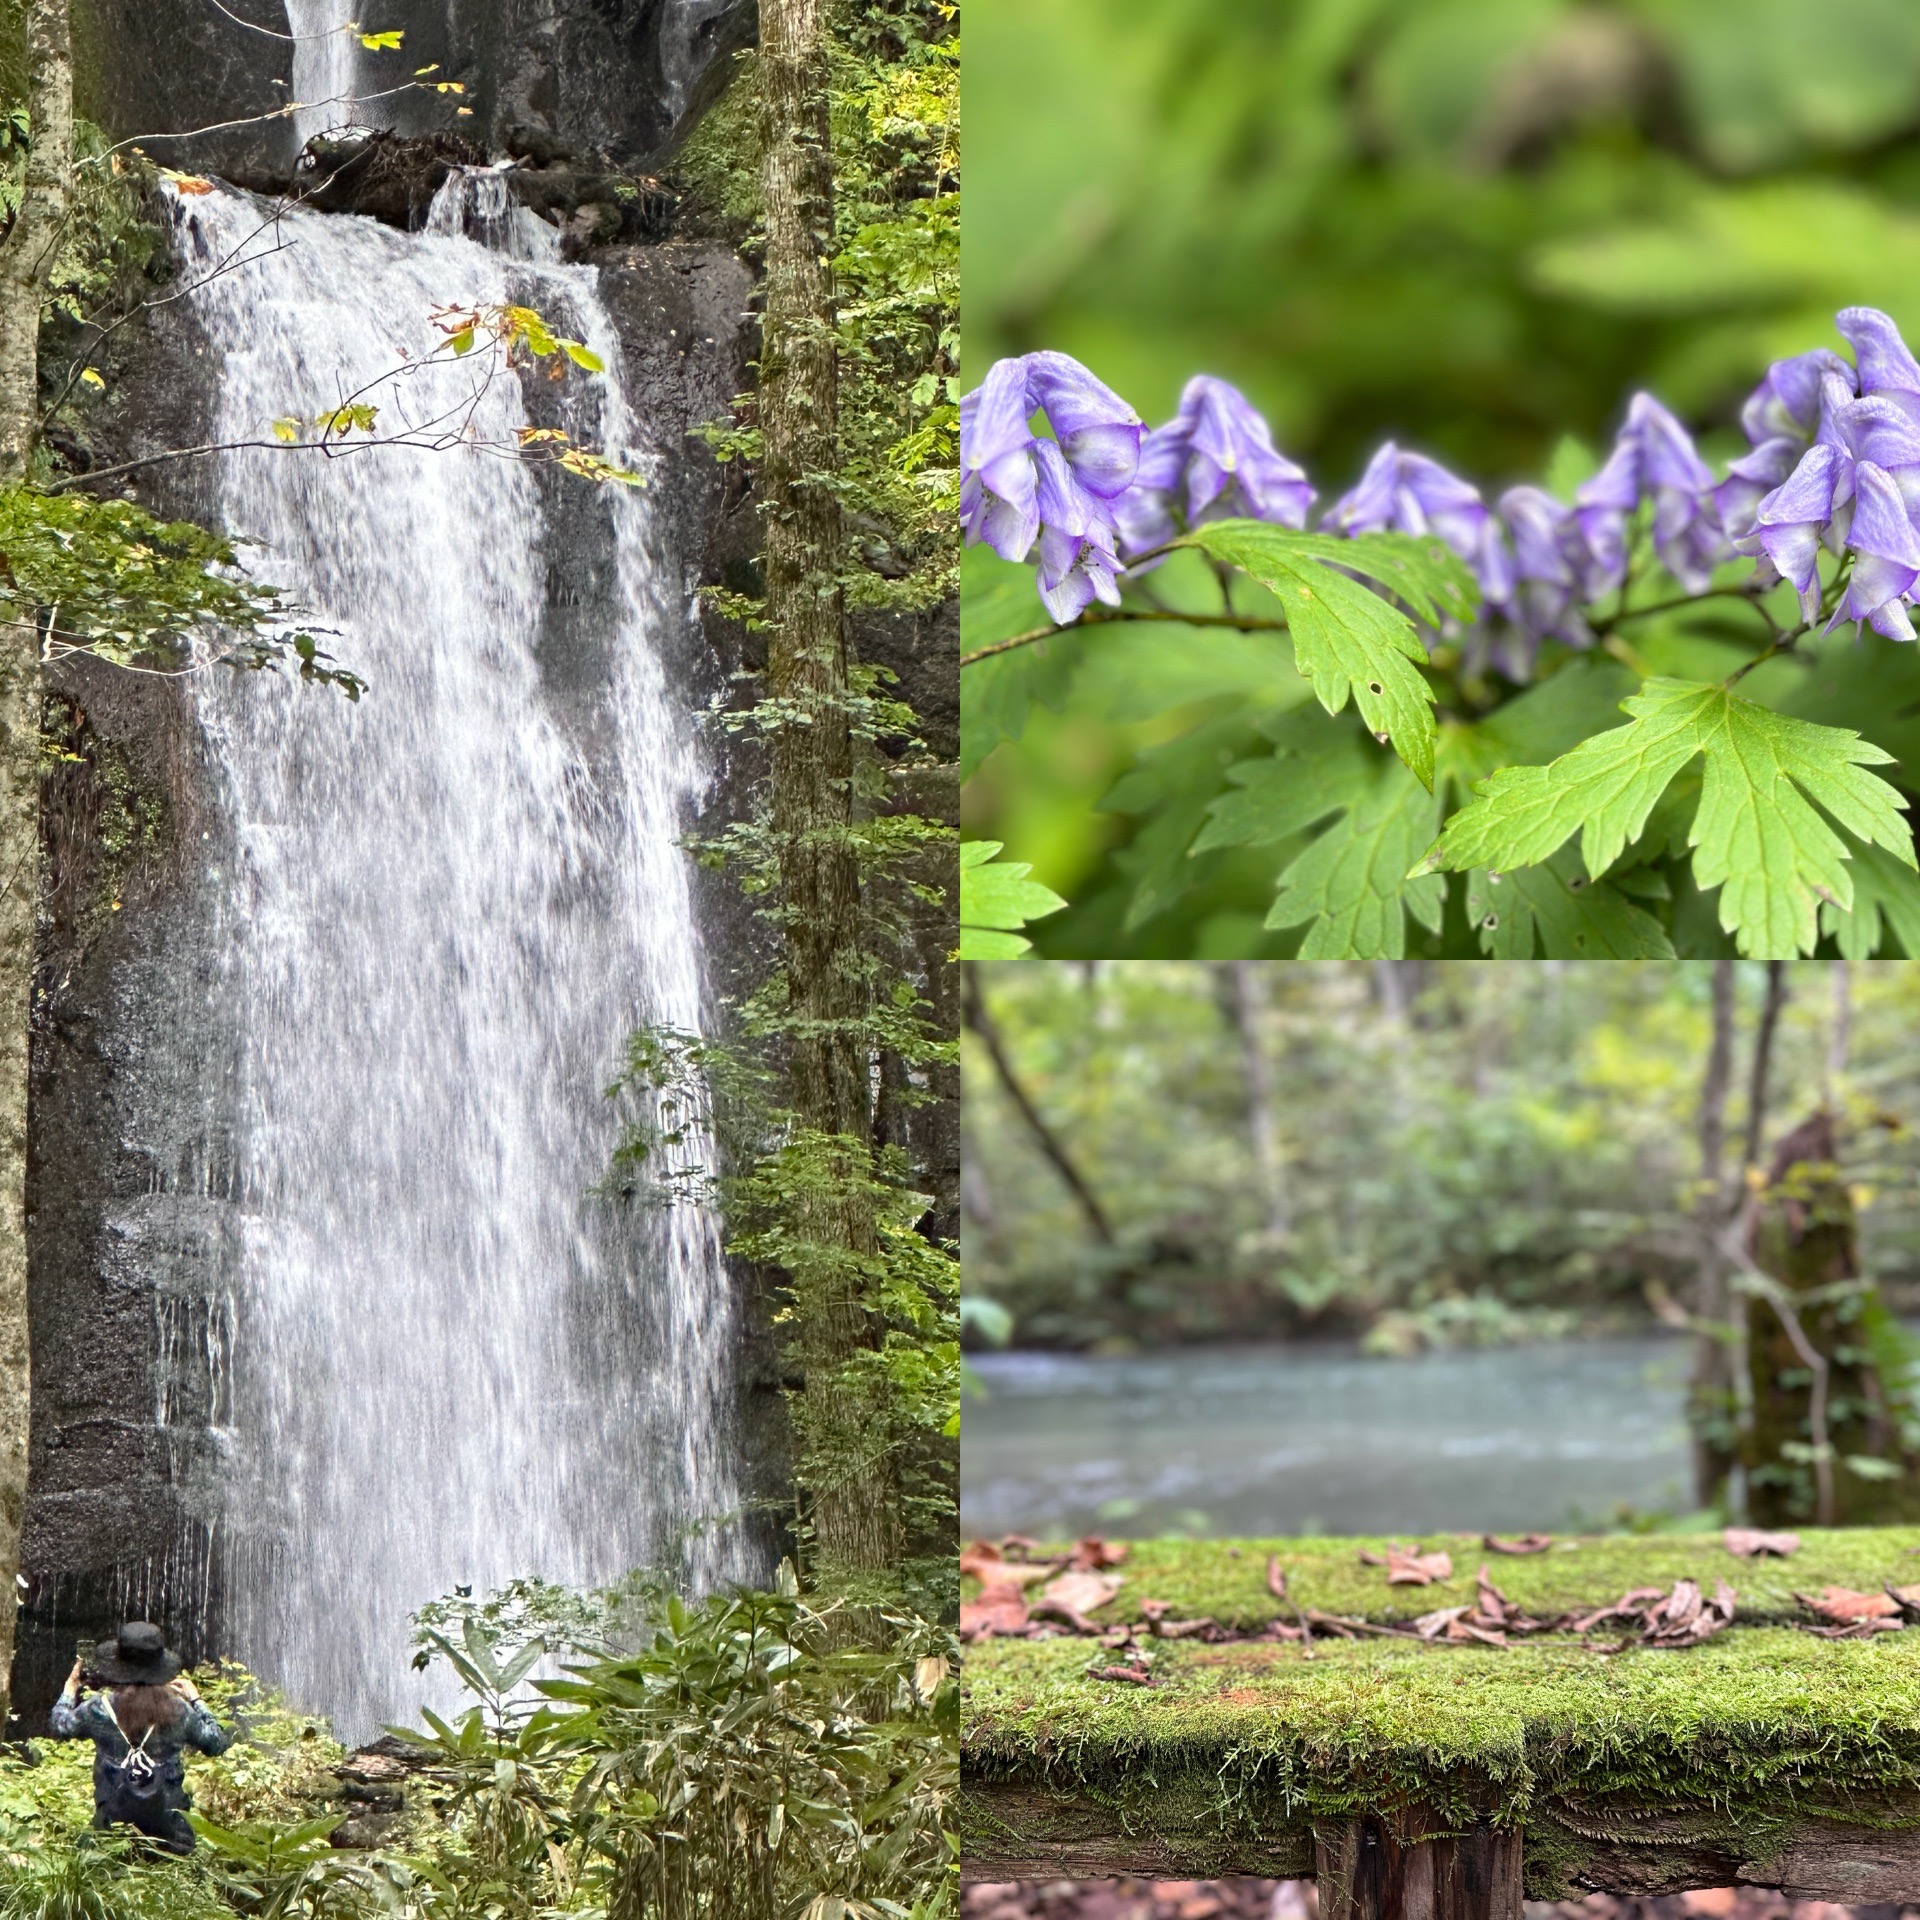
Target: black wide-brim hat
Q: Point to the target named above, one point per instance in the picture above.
(136, 1656)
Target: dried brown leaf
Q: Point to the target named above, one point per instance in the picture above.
(1749, 1543)
(1527, 1543)
(1082, 1592)
(1844, 1606)
(999, 1609)
(1417, 1569)
(1093, 1553)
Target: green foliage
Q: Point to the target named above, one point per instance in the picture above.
(995, 897)
(1347, 640)
(1755, 834)
(104, 577)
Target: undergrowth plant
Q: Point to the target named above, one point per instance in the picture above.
(1603, 717)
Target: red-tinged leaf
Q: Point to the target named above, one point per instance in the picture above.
(1748, 1543)
(999, 1609)
(1845, 1607)
(1093, 1553)
(1417, 1569)
(1276, 1577)
(1527, 1543)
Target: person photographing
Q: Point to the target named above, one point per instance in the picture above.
(144, 1716)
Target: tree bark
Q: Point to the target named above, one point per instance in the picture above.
(1757, 1083)
(27, 252)
(857, 1523)
(1711, 1392)
(1246, 1001)
(26, 261)
(974, 1012)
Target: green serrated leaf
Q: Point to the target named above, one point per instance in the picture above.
(1886, 898)
(1316, 768)
(1570, 916)
(1756, 835)
(995, 897)
(1348, 882)
(1347, 640)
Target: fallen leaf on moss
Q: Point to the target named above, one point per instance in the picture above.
(986, 1563)
(1093, 1553)
(1683, 1618)
(1416, 1569)
(1847, 1608)
(1749, 1542)
(1527, 1543)
(999, 1609)
(1083, 1592)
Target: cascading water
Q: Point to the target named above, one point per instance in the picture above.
(325, 66)
(444, 909)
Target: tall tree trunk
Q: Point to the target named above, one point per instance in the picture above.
(1711, 1392)
(26, 260)
(1839, 1037)
(1246, 1001)
(1759, 1081)
(28, 250)
(974, 1012)
(856, 1519)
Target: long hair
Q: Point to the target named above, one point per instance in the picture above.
(141, 1709)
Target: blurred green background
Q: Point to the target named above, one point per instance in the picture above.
(1473, 225)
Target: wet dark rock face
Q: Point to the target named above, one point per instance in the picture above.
(620, 80)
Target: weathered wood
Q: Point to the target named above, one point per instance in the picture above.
(1018, 1832)
(1406, 1866)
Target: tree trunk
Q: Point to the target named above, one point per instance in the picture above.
(1246, 1001)
(1758, 1082)
(1711, 1396)
(857, 1523)
(1803, 1236)
(28, 250)
(26, 260)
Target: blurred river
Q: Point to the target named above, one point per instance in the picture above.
(1318, 1439)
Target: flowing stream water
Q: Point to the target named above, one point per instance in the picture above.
(1318, 1439)
(440, 1358)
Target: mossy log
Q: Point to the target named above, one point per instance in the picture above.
(1764, 1755)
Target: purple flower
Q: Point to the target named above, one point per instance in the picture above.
(1821, 502)
(1654, 458)
(1552, 567)
(1078, 540)
(1009, 488)
(1215, 459)
(1749, 480)
(1790, 521)
(1408, 493)
(1886, 555)
(1786, 404)
(1886, 365)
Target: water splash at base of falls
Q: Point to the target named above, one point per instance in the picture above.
(444, 909)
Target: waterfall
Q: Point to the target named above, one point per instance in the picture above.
(441, 910)
(325, 66)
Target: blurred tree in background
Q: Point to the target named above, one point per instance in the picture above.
(1472, 225)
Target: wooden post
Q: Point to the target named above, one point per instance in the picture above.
(1405, 1866)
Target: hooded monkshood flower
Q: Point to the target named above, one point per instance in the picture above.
(1786, 404)
(1214, 460)
(1408, 493)
(1886, 555)
(1886, 364)
(1654, 457)
(1820, 500)
(1009, 488)
(1078, 540)
(1553, 566)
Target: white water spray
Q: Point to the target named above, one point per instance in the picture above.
(447, 907)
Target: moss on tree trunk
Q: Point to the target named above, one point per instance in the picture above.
(1803, 1233)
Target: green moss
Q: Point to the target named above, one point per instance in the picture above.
(1236, 1750)
(1228, 1578)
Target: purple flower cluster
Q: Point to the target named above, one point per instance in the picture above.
(1841, 449)
(1834, 461)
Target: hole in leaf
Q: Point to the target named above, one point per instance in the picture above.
(1578, 881)
(1373, 686)
(1492, 920)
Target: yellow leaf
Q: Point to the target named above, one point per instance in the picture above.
(287, 430)
(381, 42)
(90, 378)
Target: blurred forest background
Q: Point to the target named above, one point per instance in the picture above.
(1417, 1154)
(1474, 225)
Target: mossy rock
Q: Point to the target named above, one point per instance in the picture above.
(1765, 1754)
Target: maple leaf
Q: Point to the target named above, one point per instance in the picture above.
(1758, 834)
(1348, 641)
(995, 897)
(1353, 882)
(1558, 909)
